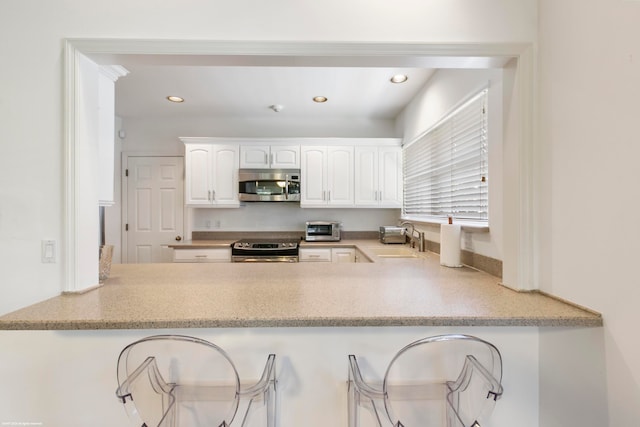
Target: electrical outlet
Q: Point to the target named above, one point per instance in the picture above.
(48, 251)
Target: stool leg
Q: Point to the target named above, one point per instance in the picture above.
(352, 401)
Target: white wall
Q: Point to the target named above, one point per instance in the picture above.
(445, 91)
(161, 134)
(289, 217)
(589, 86)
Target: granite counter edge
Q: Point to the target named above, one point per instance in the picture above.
(591, 321)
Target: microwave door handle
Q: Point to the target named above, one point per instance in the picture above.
(286, 187)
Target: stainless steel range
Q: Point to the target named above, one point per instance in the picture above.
(265, 250)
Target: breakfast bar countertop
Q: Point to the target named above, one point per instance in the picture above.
(388, 292)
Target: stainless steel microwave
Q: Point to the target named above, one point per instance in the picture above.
(322, 231)
(269, 185)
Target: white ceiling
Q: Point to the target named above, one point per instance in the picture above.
(224, 86)
(232, 91)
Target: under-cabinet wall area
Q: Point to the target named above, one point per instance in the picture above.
(261, 216)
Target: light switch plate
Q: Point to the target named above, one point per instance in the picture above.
(48, 251)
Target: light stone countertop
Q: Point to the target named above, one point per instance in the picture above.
(387, 292)
(192, 244)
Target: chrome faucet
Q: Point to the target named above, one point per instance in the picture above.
(412, 236)
(413, 228)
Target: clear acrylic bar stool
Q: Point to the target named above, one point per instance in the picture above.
(445, 380)
(181, 381)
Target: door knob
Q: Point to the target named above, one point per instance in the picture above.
(178, 238)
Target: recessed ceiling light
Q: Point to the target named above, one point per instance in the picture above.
(399, 78)
(319, 99)
(175, 99)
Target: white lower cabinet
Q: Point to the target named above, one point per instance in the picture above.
(343, 255)
(314, 255)
(327, 255)
(202, 255)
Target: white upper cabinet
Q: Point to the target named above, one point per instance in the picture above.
(378, 176)
(326, 176)
(313, 176)
(270, 157)
(225, 175)
(211, 175)
(334, 172)
(340, 176)
(390, 177)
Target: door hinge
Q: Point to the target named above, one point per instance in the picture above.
(126, 227)
(126, 172)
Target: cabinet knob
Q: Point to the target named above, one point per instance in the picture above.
(178, 238)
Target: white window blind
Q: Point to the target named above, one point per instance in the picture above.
(445, 170)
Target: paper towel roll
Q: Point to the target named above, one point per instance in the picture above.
(450, 245)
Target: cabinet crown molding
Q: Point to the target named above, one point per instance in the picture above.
(288, 140)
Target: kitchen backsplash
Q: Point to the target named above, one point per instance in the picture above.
(232, 235)
(288, 217)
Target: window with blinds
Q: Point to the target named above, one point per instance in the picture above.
(445, 169)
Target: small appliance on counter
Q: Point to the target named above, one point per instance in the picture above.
(392, 234)
(322, 231)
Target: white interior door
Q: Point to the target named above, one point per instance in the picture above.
(155, 193)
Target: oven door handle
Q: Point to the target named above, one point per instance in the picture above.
(264, 259)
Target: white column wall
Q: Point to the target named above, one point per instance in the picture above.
(588, 152)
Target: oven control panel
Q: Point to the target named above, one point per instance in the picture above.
(265, 245)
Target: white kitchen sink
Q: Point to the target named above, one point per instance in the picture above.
(394, 252)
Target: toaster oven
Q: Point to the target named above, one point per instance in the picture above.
(322, 231)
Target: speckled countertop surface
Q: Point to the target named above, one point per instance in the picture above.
(387, 292)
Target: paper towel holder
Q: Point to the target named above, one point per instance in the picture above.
(450, 255)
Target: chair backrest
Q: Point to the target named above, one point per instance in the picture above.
(461, 371)
(151, 371)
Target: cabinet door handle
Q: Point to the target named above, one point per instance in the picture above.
(213, 195)
(209, 195)
(329, 196)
